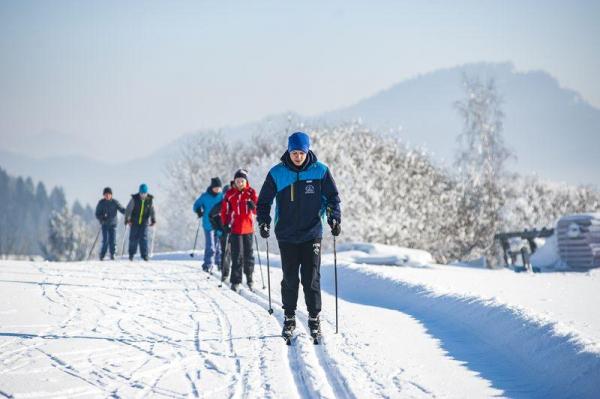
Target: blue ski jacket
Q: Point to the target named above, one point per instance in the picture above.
(303, 196)
(206, 201)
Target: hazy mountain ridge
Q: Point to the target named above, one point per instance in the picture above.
(553, 131)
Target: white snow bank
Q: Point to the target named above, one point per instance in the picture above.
(380, 254)
(547, 255)
(540, 325)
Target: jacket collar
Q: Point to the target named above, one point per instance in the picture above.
(311, 159)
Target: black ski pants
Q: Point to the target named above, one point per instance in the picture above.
(306, 259)
(225, 261)
(242, 256)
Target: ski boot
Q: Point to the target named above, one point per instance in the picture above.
(112, 256)
(235, 287)
(314, 327)
(250, 285)
(289, 325)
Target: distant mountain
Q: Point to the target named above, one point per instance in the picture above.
(552, 130)
(84, 178)
(48, 144)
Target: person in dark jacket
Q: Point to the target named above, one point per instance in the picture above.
(202, 207)
(215, 220)
(304, 193)
(106, 213)
(139, 215)
(237, 214)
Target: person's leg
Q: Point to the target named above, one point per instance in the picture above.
(144, 241)
(216, 238)
(112, 240)
(134, 237)
(290, 262)
(208, 249)
(225, 257)
(236, 258)
(104, 246)
(310, 271)
(248, 244)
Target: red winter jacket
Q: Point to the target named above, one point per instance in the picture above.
(235, 210)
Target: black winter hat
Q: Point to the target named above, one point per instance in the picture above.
(107, 190)
(215, 182)
(243, 173)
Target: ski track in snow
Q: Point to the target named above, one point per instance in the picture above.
(165, 329)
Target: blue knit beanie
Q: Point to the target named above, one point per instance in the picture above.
(299, 141)
(143, 188)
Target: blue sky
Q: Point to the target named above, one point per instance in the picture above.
(132, 76)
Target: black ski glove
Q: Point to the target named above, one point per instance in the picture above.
(264, 228)
(336, 228)
(251, 205)
(199, 212)
(226, 229)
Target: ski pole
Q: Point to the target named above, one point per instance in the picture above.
(259, 261)
(153, 240)
(196, 240)
(94, 244)
(123, 244)
(269, 277)
(336, 282)
(124, 235)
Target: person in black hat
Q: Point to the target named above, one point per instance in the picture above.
(106, 213)
(202, 206)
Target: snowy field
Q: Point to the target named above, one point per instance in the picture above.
(408, 329)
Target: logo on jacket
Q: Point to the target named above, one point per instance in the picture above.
(309, 189)
(317, 248)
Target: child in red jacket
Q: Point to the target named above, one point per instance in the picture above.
(237, 214)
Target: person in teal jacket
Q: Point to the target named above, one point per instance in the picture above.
(202, 207)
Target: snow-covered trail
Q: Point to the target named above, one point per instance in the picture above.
(134, 330)
(165, 329)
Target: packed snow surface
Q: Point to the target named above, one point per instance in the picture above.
(408, 328)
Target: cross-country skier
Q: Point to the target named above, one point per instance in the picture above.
(215, 220)
(138, 215)
(237, 215)
(212, 249)
(106, 213)
(304, 192)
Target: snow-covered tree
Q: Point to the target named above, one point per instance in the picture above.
(481, 161)
(68, 237)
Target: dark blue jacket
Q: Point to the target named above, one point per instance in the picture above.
(106, 211)
(302, 196)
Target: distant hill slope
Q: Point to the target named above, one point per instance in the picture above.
(552, 130)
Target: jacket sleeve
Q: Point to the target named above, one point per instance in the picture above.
(197, 204)
(332, 198)
(265, 200)
(119, 207)
(99, 211)
(128, 211)
(153, 213)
